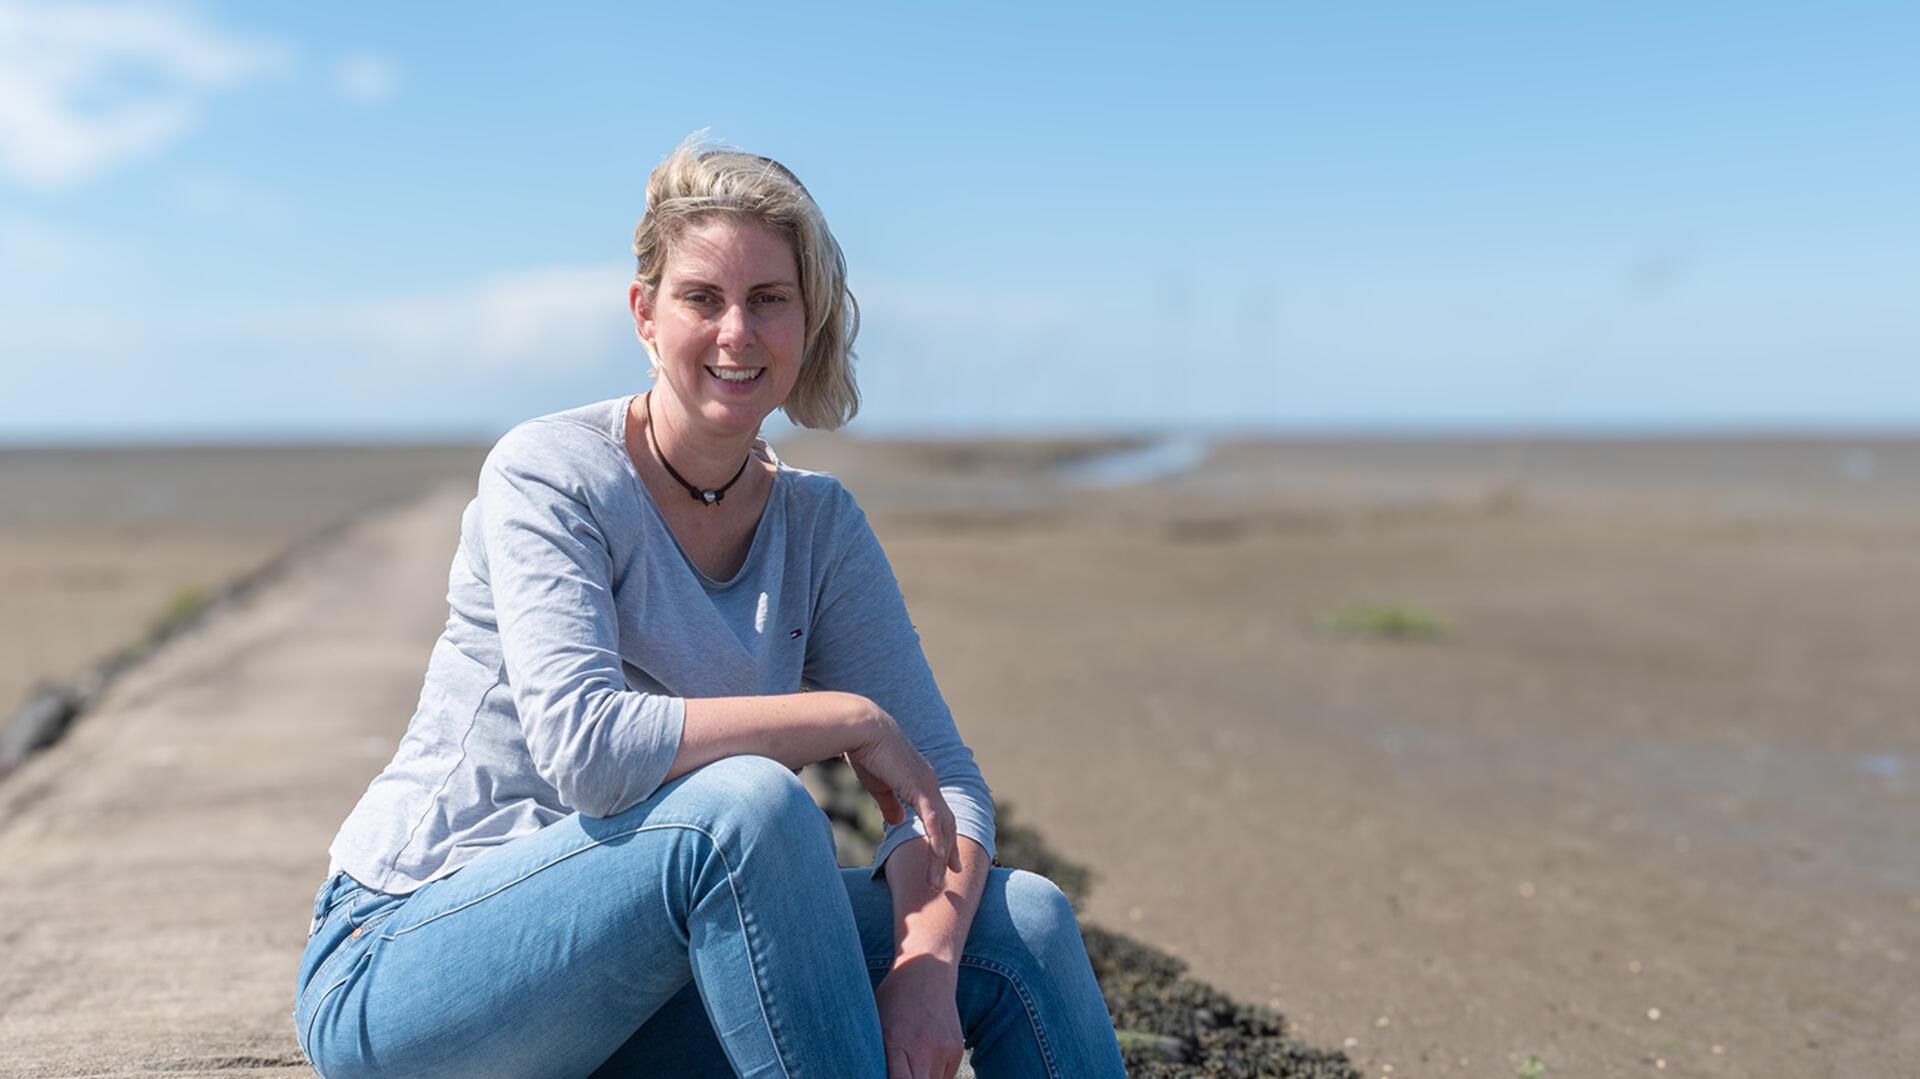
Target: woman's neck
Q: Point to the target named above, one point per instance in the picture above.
(707, 459)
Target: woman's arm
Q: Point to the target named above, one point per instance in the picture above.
(548, 565)
(861, 641)
(931, 924)
(919, 1017)
(800, 728)
(795, 729)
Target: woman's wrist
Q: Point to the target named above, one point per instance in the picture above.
(862, 718)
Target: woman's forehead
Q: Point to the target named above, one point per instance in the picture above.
(730, 247)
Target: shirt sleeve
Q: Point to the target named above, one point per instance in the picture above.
(861, 641)
(600, 745)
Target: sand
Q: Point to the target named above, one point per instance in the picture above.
(97, 545)
(1647, 805)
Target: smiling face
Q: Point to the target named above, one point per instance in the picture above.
(727, 324)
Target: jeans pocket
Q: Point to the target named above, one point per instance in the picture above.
(339, 892)
(342, 910)
(368, 905)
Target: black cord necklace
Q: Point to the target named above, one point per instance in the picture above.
(705, 498)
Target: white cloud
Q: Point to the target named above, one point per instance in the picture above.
(364, 78)
(532, 321)
(529, 320)
(85, 87)
(538, 318)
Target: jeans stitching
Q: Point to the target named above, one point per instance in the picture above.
(345, 909)
(359, 919)
(314, 1016)
(738, 907)
(335, 957)
(331, 961)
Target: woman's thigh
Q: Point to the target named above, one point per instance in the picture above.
(543, 956)
(1026, 995)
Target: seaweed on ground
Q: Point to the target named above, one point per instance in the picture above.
(1169, 1026)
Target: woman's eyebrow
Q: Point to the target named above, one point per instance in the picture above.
(694, 282)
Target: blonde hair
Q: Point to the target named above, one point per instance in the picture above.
(701, 179)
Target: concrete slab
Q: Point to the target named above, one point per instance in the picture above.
(157, 866)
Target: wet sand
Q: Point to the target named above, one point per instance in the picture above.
(96, 545)
(1648, 805)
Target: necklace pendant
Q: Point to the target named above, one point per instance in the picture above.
(710, 496)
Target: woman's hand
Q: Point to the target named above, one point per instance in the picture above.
(897, 775)
(920, 1020)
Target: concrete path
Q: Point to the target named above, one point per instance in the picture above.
(157, 866)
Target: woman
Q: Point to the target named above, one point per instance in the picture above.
(590, 854)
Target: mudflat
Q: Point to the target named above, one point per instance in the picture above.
(1475, 758)
(96, 545)
(1645, 801)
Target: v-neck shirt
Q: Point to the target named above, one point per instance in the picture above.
(578, 628)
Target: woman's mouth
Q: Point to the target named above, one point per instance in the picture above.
(736, 374)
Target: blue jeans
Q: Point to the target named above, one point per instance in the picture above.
(705, 931)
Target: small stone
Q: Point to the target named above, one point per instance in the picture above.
(1719, 1050)
(1145, 1043)
(1526, 889)
(1653, 1014)
(1382, 1021)
(1351, 1042)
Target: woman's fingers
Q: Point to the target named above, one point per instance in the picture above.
(938, 820)
(921, 790)
(946, 850)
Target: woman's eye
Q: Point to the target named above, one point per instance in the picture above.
(770, 298)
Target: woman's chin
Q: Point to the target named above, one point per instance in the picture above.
(737, 416)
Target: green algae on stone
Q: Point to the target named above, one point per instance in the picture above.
(1397, 622)
(181, 608)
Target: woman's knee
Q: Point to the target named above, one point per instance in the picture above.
(753, 797)
(1040, 919)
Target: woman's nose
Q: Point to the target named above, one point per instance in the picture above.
(734, 333)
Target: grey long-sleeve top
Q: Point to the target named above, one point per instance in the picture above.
(577, 628)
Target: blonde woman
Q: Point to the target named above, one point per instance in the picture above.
(590, 854)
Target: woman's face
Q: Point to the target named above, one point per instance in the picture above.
(728, 304)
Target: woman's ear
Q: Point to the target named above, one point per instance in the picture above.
(642, 310)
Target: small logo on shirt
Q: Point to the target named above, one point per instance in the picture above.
(795, 635)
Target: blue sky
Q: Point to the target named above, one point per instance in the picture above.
(233, 220)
